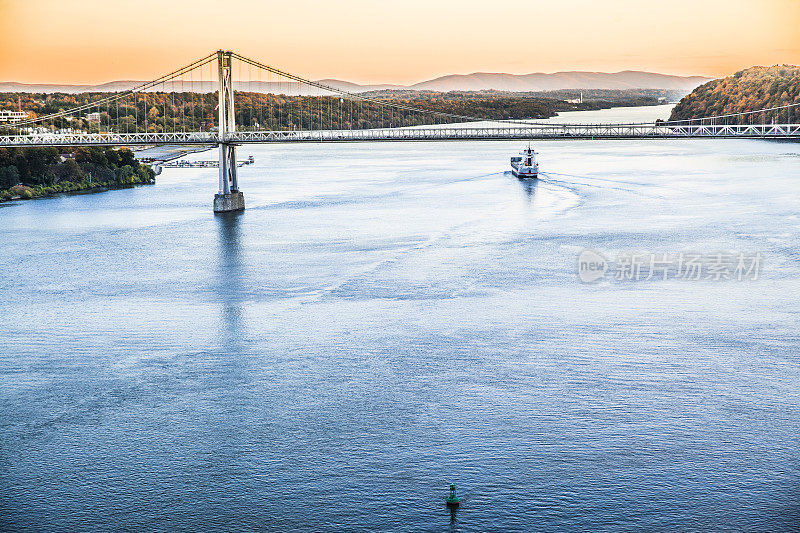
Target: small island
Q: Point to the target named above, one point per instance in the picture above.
(27, 173)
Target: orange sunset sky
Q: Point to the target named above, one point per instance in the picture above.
(403, 41)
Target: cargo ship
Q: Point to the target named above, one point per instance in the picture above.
(525, 165)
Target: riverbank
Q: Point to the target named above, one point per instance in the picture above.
(28, 173)
(735, 96)
(24, 192)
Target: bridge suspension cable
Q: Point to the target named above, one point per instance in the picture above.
(738, 114)
(118, 96)
(349, 94)
(470, 118)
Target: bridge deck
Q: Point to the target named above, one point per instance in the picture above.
(555, 131)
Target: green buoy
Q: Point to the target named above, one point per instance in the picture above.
(452, 499)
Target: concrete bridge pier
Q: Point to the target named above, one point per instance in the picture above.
(225, 203)
(229, 197)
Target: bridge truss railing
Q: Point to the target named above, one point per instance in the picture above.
(599, 131)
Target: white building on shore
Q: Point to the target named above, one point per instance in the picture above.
(12, 116)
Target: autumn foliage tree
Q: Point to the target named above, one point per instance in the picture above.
(747, 90)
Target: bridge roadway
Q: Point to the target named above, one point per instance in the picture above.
(439, 133)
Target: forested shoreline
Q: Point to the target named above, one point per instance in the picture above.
(27, 173)
(163, 112)
(751, 89)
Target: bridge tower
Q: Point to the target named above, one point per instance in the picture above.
(229, 197)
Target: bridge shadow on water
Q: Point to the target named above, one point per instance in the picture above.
(230, 286)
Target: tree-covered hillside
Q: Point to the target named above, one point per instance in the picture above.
(160, 112)
(747, 90)
(31, 172)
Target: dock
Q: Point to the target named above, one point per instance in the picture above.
(209, 163)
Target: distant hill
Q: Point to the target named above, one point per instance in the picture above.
(747, 90)
(561, 80)
(478, 81)
(356, 88)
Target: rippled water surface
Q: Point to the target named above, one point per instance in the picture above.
(385, 319)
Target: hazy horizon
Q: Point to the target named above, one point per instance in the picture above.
(380, 83)
(371, 43)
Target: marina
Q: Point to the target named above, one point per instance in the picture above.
(213, 163)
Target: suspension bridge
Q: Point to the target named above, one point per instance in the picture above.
(195, 105)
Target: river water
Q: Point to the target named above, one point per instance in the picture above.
(385, 319)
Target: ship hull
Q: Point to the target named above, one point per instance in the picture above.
(524, 175)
